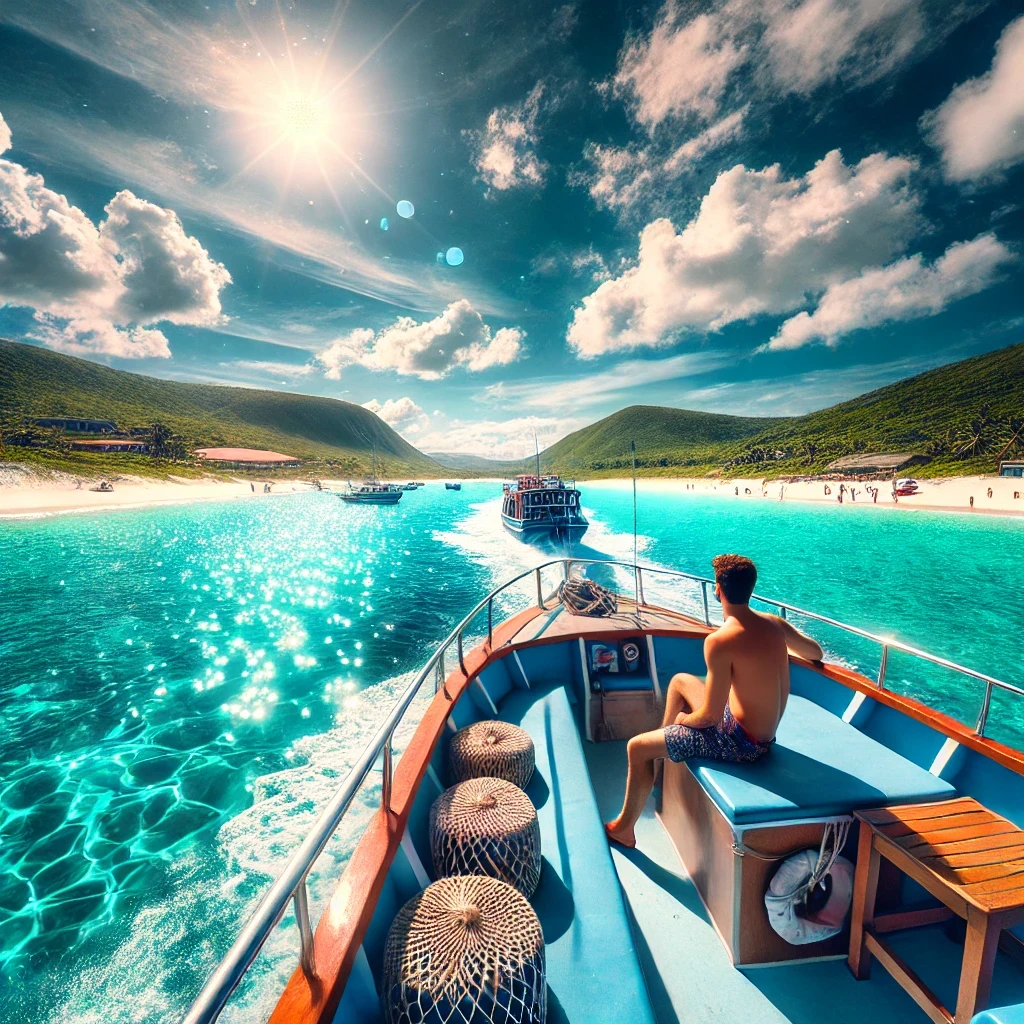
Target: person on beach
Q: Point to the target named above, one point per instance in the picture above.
(730, 715)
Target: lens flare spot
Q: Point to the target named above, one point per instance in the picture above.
(405, 208)
(454, 256)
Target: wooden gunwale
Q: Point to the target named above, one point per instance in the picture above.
(344, 922)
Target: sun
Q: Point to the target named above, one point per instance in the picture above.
(302, 119)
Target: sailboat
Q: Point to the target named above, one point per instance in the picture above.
(372, 491)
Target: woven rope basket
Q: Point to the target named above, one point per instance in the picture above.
(497, 749)
(466, 950)
(486, 827)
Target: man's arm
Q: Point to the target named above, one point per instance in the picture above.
(716, 688)
(799, 643)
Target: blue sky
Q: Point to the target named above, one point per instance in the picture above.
(751, 206)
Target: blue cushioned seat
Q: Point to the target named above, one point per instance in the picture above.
(592, 967)
(819, 767)
(617, 682)
(1001, 1015)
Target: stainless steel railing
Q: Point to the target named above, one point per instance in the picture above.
(290, 886)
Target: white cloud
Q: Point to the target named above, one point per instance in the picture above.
(5, 135)
(506, 154)
(759, 244)
(84, 336)
(621, 177)
(429, 350)
(687, 66)
(497, 439)
(272, 367)
(620, 382)
(403, 414)
(718, 134)
(681, 68)
(625, 179)
(904, 290)
(817, 42)
(980, 127)
(134, 269)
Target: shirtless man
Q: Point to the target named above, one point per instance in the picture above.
(733, 715)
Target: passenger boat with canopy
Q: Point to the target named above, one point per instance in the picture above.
(546, 508)
(924, 805)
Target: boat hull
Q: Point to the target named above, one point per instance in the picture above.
(372, 499)
(541, 532)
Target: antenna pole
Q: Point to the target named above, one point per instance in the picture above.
(536, 442)
(636, 572)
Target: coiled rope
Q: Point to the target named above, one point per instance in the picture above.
(581, 596)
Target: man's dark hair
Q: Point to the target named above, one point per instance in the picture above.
(736, 576)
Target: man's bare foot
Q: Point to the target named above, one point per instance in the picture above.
(622, 836)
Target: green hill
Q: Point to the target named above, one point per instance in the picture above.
(37, 382)
(963, 416)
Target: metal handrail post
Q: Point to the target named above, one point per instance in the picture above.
(540, 592)
(704, 597)
(884, 664)
(301, 899)
(979, 729)
(640, 586)
(490, 622)
(386, 774)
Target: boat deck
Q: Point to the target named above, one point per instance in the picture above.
(557, 624)
(690, 978)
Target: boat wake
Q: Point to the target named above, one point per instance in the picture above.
(163, 955)
(482, 539)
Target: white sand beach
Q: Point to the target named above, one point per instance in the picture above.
(991, 494)
(27, 493)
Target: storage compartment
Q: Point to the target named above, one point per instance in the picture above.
(731, 883)
(621, 698)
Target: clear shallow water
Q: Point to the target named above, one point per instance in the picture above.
(182, 688)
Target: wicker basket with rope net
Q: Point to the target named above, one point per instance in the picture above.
(497, 749)
(486, 827)
(466, 950)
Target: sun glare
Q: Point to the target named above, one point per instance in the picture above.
(303, 120)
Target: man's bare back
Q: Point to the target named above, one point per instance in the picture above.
(731, 715)
(750, 650)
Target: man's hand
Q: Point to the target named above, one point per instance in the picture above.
(681, 718)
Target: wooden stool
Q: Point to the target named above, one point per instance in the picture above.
(964, 855)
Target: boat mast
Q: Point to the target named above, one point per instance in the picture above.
(537, 445)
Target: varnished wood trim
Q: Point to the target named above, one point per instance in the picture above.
(908, 978)
(911, 919)
(343, 924)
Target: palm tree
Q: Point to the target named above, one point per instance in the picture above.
(975, 438)
(159, 435)
(1014, 433)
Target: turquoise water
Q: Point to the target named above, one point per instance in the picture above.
(182, 688)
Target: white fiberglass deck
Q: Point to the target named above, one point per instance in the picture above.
(690, 978)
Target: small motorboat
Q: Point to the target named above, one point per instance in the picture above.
(372, 492)
(906, 487)
(453, 487)
(103, 487)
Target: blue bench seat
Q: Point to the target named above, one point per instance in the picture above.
(819, 767)
(592, 967)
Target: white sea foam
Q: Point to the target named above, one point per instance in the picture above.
(214, 890)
